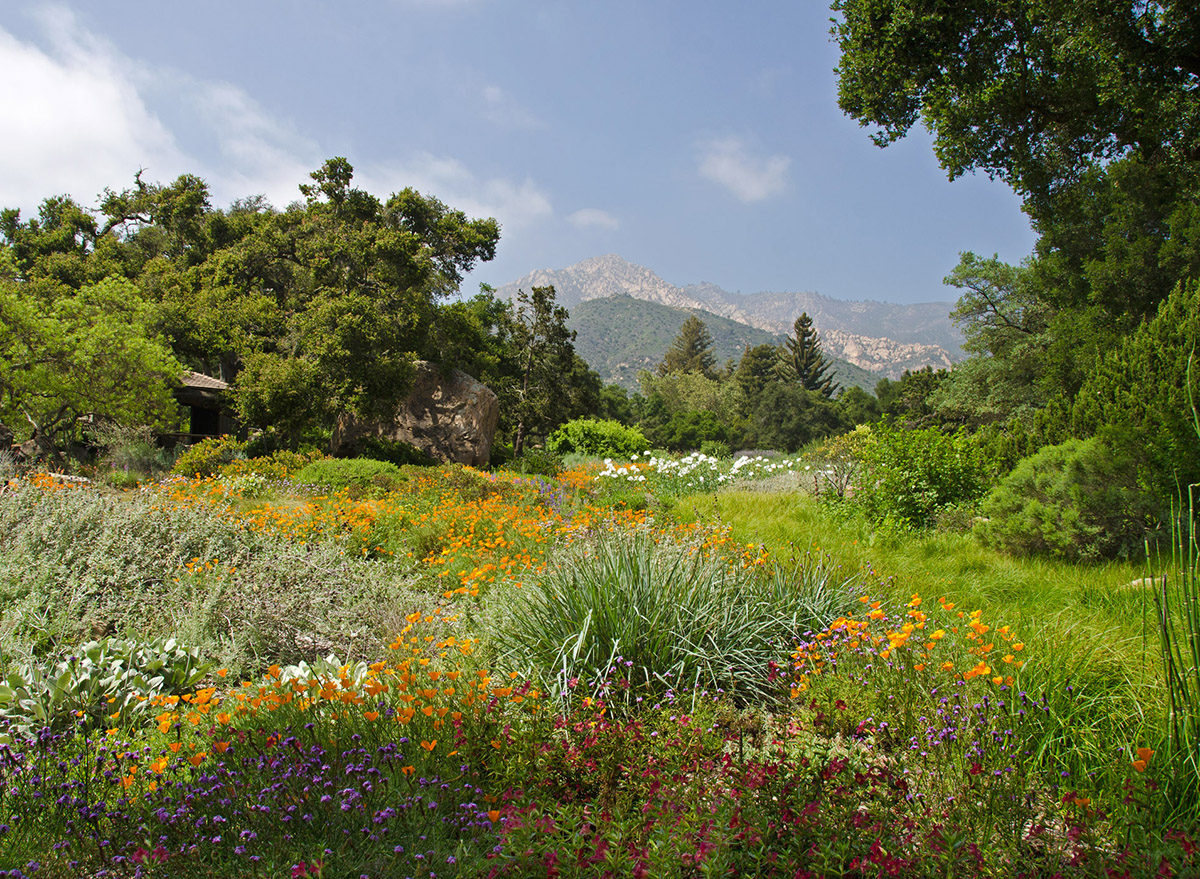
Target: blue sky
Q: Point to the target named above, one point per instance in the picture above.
(701, 140)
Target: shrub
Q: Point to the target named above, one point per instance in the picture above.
(537, 462)
(604, 439)
(355, 473)
(910, 475)
(208, 456)
(392, 451)
(1076, 500)
(281, 464)
(715, 449)
(661, 616)
(97, 680)
(129, 452)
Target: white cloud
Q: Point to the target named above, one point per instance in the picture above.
(516, 204)
(502, 109)
(88, 117)
(593, 218)
(76, 123)
(750, 178)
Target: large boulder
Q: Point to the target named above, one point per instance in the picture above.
(451, 416)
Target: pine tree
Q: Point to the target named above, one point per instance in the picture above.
(692, 350)
(803, 361)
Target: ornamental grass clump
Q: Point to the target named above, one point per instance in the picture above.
(664, 616)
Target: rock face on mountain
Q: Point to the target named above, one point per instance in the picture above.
(452, 417)
(885, 356)
(882, 337)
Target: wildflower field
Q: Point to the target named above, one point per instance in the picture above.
(662, 667)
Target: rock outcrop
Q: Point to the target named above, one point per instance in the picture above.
(451, 416)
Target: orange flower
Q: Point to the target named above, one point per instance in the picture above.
(429, 746)
(371, 715)
(493, 815)
(220, 747)
(197, 758)
(1144, 755)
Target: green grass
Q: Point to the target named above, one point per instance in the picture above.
(1091, 653)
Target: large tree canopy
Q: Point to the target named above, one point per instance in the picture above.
(1033, 91)
(312, 312)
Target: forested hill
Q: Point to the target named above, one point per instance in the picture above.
(878, 336)
(619, 336)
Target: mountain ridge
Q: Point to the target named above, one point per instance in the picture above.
(917, 335)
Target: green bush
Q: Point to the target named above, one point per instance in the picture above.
(392, 451)
(1077, 500)
(537, 462)
(662, 616)
(909, 476)
(208, 456)
(604, 439)
(353, 473)
(281, 464)
(715, 449)
(1138, 397)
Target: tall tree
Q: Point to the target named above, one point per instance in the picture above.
(93, 353)
(539, 392)
(758, 367)
(692, 350)
(803, 360)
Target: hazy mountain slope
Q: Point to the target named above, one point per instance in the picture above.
(878, 336)
(619, 336)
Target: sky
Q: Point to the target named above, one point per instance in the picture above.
(700, 139)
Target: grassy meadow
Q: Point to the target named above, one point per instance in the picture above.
(664, 667)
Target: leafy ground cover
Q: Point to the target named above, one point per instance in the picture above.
(446, 672)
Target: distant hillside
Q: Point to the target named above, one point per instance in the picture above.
(878, 336)
(619, 336)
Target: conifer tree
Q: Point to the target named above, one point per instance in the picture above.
(803, 361)
(692, 350)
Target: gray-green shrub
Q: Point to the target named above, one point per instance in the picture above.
(79, 563)
(97, 680)
(1076, 500)
(665, 616)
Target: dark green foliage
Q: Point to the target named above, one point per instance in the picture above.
(538, 392)
(1137, 396)
(857, 406)
(803, 361)
(688, 429)
(1076, 500)
(605, 439)
(692, 350)
(535, 461)
(788, 417)
(909, 476)
(391, 451)
(615, 404)
(909, 398)
(758, 367)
